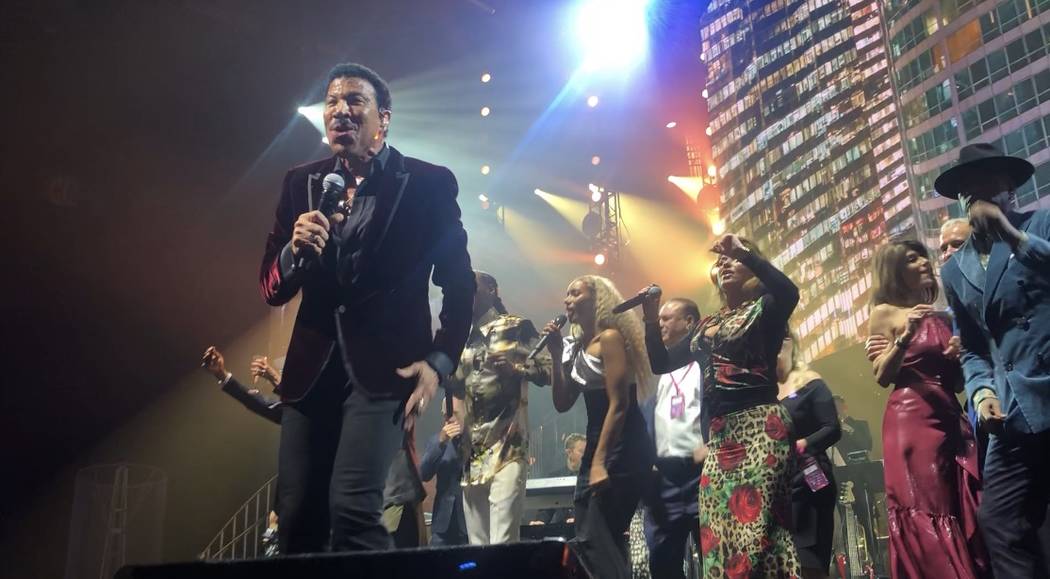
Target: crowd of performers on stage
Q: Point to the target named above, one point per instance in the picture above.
(709, 422)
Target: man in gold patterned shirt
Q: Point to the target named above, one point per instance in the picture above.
(492, 378)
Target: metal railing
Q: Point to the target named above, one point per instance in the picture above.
(242, 535)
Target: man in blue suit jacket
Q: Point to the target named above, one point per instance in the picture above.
(998, 286)
(442, 458)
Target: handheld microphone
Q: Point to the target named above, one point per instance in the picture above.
(558, 321)
(334, 189)
(651, 291)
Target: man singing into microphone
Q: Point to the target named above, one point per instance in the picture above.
(363, 360)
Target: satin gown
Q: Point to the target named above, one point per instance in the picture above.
(931, 472)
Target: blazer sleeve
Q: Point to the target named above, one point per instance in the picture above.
(279, 280)
(428, 463)
(1034, 250)
(453, 274)
(661, 358)
(260, 403)
(977, 364)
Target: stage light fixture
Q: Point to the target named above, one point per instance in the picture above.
(484, 198)
(596, 196)
(539, 192)
(708, 131)
(485, 111)
(612, 33)
(485, 169)
(592, 101)
(599, 259)
(671, 125)
(718, 227)
(703, 93)
(596, 160)
(486, 77)
(712, 171)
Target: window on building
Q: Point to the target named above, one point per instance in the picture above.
(997, 68)
(1005, 107)
(964, 41)
(1024, 95)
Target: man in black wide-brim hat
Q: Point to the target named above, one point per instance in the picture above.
(998, 286)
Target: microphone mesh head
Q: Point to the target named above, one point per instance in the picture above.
(334, 181)
(560, 320)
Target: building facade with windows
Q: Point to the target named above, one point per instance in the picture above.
(805, 135)
(971, 71)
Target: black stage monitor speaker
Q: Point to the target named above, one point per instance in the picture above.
(525, 560)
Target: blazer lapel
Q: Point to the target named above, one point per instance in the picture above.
(313, 194)
(1001, 256)
(970, 265)
(390, 191)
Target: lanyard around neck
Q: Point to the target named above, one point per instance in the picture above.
(677, 390)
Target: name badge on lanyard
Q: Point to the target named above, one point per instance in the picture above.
(678, 399)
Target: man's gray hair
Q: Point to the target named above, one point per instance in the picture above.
(954, 221)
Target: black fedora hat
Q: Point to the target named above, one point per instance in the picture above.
(981, 159)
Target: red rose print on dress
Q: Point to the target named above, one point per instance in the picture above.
(745, 503)
(738, 566)
(771, 460)
(704, 481)
(718, 423)
(708, 540)
(731, 455)
(775, 427)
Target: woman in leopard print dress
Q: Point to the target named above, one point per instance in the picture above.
(745, 483)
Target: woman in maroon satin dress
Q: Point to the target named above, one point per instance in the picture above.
(932, 479)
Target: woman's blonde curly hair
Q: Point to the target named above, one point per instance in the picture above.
(629, 324)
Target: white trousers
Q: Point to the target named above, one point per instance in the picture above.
(493, 510)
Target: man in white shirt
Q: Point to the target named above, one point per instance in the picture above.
(673, 415)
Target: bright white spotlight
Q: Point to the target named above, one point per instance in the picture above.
(691, 186)
(485, 169)
(708, 131)
(539, 191)
(314, 114)
(712, 171)
(718, 227)
(485, 111)
(592, 101)
(483, 198)
(612, 33)
(703, 93)
(671, 125)
(596, 160)
(596, 196)
(599, 259)
(486, 77)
